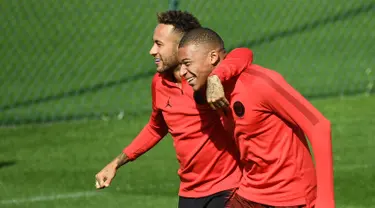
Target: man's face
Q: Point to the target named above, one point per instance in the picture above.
(165, 47)
(196, 65)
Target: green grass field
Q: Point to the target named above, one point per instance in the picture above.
(53, 165)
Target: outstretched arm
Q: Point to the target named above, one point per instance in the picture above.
(151, 134)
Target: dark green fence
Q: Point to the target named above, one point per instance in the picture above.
(89, 58)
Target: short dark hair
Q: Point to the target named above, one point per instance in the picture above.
(181, 21)
(202, 36)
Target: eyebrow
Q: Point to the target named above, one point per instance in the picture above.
(156, 40)
(185, 59)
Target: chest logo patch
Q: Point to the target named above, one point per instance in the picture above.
(169, 103)
(239, 109)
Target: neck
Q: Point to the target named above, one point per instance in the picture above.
(222, 56)
(176, 74)
(173, 75)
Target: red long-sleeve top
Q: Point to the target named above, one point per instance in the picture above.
(272, 119)
(205, 150)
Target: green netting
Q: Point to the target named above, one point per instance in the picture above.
(75, 59)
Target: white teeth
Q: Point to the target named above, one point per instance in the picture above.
(157, 60)
(190, 79)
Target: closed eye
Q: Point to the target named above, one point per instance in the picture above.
(186, 63)
(158, 43)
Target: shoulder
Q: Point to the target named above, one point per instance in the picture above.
(257, 82)
(260, 77)
(240, 52)
(156, 80)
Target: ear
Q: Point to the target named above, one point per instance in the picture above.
(214, 57)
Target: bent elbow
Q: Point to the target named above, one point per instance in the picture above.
(325, 125)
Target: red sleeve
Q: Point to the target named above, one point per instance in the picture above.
(293, 107)
(151, 134)
(234, 63)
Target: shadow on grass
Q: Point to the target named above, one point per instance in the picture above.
(77, 92)
(4, 164)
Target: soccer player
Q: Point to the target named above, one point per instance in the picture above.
(271, 121)
(208, 161)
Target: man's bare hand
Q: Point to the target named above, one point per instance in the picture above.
(215, 93)
(104, 178)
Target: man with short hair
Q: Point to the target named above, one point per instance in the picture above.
(271, 120)
(206, 153)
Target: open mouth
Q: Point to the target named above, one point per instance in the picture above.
(157, 60)
(190, 80)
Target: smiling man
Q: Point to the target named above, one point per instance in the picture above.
(206, 152)
(271, 120)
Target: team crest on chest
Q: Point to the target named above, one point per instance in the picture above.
(239, 109)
